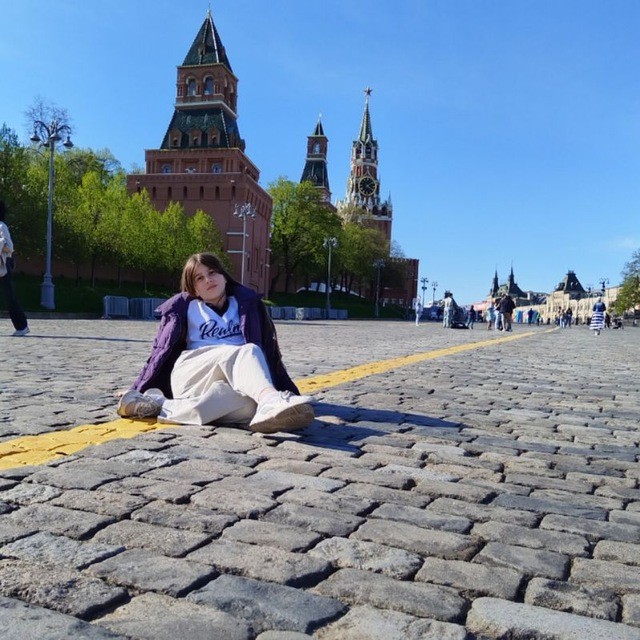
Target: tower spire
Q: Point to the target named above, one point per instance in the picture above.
(366, 134)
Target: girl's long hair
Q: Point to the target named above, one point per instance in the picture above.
(208, 260)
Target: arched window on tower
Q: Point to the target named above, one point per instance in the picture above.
(316, 147)
(153, 193)
(201, 193)
(217, 193)
(191, 87)
(169, 193)
(184, 193)
(208, 86)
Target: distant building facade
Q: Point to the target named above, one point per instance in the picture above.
(201, 161)
(568, 294)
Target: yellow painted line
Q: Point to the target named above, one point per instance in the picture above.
(40, 449)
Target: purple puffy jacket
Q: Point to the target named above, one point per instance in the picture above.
(255, 324)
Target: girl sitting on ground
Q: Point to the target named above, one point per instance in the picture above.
(215, 359)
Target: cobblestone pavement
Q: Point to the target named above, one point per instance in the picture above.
(487, 494)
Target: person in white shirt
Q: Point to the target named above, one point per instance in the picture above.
(216, 360)
(16, 313)
(417, 307)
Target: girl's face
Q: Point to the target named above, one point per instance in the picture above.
(210, 285)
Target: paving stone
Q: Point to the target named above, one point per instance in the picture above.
(568, 543)
(68, 478)
(388, 480)
(368, 556)
(268, 606)
(151, 616)
(470, 578)
(153, 489)
(282, 635)
(419, 599)
(374, 624)
(105, 503)
(262, 563)
(198, 472)
(546, 482)
(482, 513)
(10, 531)
(23, 621)
(454, 490)
(631, 610)
(330, 501)
(383, 494)
(271, 534)
(273, 483)
(625, 517)
(146, 571)
(531, 562)
(565, 596)
(169, 542)
(601, 574)
(150, 459)
(314, 519)
(592, 529)
(581, 499)
(425, 542)
(544, 506)
(45, 547)
(618, 552)
(189, 517)
(493, 618)
(422, 518)
(57, 588)
(66, 522)
(302, 467)
(25, 494)
(242, 504)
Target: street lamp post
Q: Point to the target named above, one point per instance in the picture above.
(50, 135)
(425, 282)
(244, 211)
(378, 264)
(603, 284)
(329, 243)
(434, 286)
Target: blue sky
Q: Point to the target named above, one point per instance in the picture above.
(509, 130)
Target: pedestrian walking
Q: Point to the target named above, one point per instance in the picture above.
(490, 315)
(18, 318)
(216, 359)
(598, 317)
(449, 307)
(471, 317)
(507, 305)
(417, 307)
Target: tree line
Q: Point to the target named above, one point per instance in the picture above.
(98, 223)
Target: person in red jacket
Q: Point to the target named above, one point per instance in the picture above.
(215, 359)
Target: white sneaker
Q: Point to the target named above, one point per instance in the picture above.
(21, 332)
(282, 411)
(134, 404)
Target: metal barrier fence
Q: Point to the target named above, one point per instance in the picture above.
(134, 308)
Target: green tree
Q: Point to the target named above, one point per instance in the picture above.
(205, 236)
(360, 247)
(629, 293)
(300, 221)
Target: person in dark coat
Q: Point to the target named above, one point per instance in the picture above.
(18, 319)
(215, 359)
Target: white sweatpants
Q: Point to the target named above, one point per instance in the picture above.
(218, 384)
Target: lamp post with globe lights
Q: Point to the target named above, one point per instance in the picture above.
(244, 211)
(378, 264)
(48, 135)
(329, 243)
(424, 281)
(434, 286)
